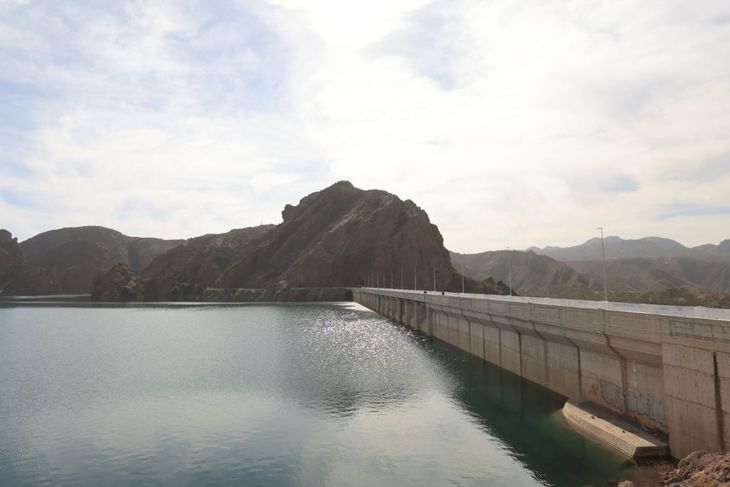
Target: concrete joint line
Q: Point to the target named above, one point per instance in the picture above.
(544, 348)
(624, 374)
(580, 370)
(519, 345)
(622, 363)
(718, 406)
(499, 337)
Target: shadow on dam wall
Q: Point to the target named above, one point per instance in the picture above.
(527, 418)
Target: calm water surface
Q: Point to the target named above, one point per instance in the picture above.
(264, 396)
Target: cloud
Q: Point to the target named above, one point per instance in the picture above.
(511, 124)
(690, 210)
(429, 42)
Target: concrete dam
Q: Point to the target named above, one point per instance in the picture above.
(666, 368)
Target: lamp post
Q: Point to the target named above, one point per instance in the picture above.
(509, 269)
(462, 279)
(603, 254)
(434, 278)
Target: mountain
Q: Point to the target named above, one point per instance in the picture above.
(338, 237)
(334, 238)
(643, 248)
(708, 274)
(638, 274)
(633, 280)
(649, 264)
(10, 253)
(651, 270)
(72, 257)
(616, 247)
(628, 275)
(532, 274)
(189, 269)
(721, 250)
(16, 276)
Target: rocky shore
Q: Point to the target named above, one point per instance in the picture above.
(698, 469)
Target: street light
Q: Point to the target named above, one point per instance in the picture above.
(462, 278)
(509, 267)
(605, 279)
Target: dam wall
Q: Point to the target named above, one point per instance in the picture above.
(664, 367)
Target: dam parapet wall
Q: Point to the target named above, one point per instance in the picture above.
(664, 367)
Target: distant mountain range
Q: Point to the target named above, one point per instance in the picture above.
(340, 236)
(648, 247)
(65, 261)
(532, 274)
(344, 236)
(651, 269)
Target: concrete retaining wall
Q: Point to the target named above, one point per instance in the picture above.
(667, 368)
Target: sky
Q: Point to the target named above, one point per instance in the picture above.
(512, 124)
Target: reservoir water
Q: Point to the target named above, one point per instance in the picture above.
(264, 395)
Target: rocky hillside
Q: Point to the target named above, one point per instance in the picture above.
(646, 248)
(16, 276)
(120, 283)
(532, 274)
(75, 256)
(721, 250)
(698, 276)
(656, 274)
(187, 271)
(339, 236)
(10, 253)
(628, 275)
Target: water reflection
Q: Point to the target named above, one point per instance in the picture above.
(266, 395)
(528, 418)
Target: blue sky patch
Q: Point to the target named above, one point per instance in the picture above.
(428, 43)
(691, 209)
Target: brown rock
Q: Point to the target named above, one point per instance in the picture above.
(17, 277)
(10, 253)
(700, 469)
(191, 271)
(342, 235)
(120, 283)
(335, 238)
(75, 256)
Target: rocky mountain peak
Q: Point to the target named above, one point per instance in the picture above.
(10, 253)
(5, 236)
(337, 237)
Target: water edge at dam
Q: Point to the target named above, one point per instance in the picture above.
(664, 367)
